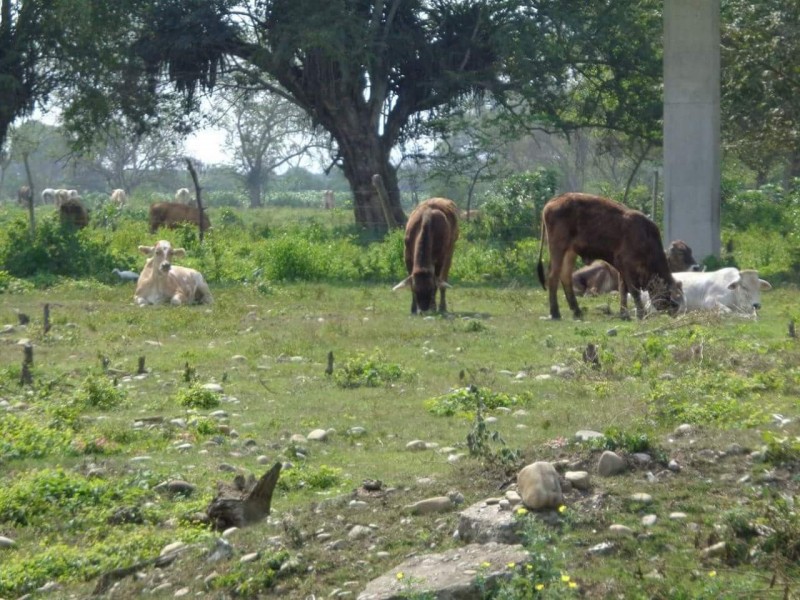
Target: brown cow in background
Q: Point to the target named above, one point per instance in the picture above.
(593, 228)
(431, 234)
(680, 258)
(170, 214)
(24, 196)
(72, 213)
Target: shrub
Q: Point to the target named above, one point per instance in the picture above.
(99, 392)
(310, 478)
(197, 397)
(465, 400)
(21, 437)
(368, 371)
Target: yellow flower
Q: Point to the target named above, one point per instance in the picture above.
(562, 509)
(564, 578)
(539, 587)
(529, 566)
(573, 585)
(399, 575)
(486, 565)
(522, 510)
(712, 573)
(511, 565)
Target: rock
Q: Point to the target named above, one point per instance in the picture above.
(416, 446)
(578, 479)
(222, 550)
(715, 550)
(585, 435)
(176, 487)
(359, 532)
(356, 432)
(250, 557)
(318, 435)
(466, 572)
(539, 487)
(485, 522)
(610, 464)
(229, 532)
(677, 516)
(513, 497)
(682, 430)
(239, 358)
(649, 520)
(641, 458)
(642, 498)
(620, 530)
(6, 542)
(297, 438)
(173, 548)
(601, 549)
(430, 505)
(673, 466)
(181, 592)
(212, 387)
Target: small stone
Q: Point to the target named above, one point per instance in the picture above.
(602, 549)
(6, 542)
(238, 358)
(585, 435)
(715, 550)
(357, 504)
(229, 531)
(173, 548)
(649, 520)
(356, 432)
(674, 466)
(677, 516)
(298, 438)
(620, 530)
(513, 497)
(642, 498)
(181, 592)
(212, 387)
(641, 458)
(416, 446)
(359, 532)
(611, 332)
(684, 429)
(250, 557)
(430, 505)
(227, 468)
(263, 460)
(610, 464)
(454, 458)
(578, 479)
(318, 435)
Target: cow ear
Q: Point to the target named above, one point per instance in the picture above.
(764, 285)
(734, 285)
(146, 250)
(403, 284)
(179, 252)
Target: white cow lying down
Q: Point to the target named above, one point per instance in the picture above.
(727, 290)
(161, 281)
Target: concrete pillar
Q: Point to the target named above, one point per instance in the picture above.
(691, 124)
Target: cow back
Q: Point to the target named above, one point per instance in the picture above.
(72, 213)
(170, 214)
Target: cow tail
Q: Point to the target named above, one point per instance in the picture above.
(540, 266)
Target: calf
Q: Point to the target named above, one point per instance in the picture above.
(598, 228)
(170, 214)
(595, 279)
(431, 234)
(679, 257)
(726, 290)
(160, 281)
(72, 213)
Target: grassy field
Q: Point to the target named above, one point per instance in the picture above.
(82, 449)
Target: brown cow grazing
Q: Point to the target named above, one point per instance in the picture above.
(72, 213)
(595, 279)
(431, 234)
(598, 228)
(170, 214)
(679, 258)
(24, 196)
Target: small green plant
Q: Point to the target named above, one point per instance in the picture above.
(310, 478)
(196, 396)
(99, 392)
(781, 450)
(250, 580)
(465, 400)
(21, 437)
(481, 442)
(627, 441)
(369, 371)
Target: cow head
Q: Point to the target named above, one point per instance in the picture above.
(747, 289)
(667, 296)
(161, 255)
(679, 257)
(423, 285)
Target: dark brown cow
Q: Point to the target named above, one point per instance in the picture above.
(601, 278)
(170, 214)
(679, 257)
(72, 213)
(431, 234)
(598, 228)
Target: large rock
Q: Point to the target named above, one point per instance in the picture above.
(483, 522)
(610, 464)
(539, 487)
(465, 573)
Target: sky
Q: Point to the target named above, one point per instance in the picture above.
(208, 147)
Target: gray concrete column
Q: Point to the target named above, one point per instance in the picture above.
(691, 124)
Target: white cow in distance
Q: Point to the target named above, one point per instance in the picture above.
(161, 281)
(727, 290)
(183, 196)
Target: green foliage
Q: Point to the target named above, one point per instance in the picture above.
(12, 285)
(630, 441)
(481, 442)
(99, 392)
(250, 580)
(21, 437)
(306, 477)
(195, 396)
(369, 371)
(465, 400)
(781, 450)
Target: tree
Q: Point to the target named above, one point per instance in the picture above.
(370, 72)
(761, 83)
(265, 131)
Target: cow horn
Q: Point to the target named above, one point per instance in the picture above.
(405, 283)
(443, 285)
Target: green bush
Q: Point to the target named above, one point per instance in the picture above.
(467, 399)
(368, 371)
(197, 397)
(310, 478)
(99, 392)
(22, 437)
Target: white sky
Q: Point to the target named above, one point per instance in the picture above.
(208, 147)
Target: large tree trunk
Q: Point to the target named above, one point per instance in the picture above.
(254, 188)
(361, 160)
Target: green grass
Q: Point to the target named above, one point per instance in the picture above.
(269, 353)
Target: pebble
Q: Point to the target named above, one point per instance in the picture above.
(610, 464)
(579, 479)
(356, 431)
(677, 516)
(585, 435)
(620, 530)
(416, 446)
(250, 557)
(684, 429)
(642, 498)
(229, 531)
(317, 435)
(602, 549)
(173, 548)
(6, 542)
(358, 532)
(181, 592)
(649, 520)
(212, 387)
(674, 466)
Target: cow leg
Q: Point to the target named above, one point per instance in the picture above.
(567, 266)
(556, 260)
(413, 304)
(442, 301)
(623, 299)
